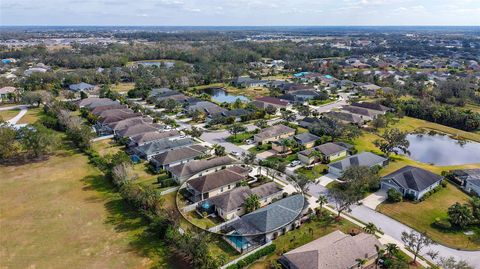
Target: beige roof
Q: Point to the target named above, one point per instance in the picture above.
(5, 90)
(273, 131)
(216, 180)
(153, 136)
(333, 251)
(194, 167)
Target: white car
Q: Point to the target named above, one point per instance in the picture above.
(249, 141)
(234, 153)
(295, 163)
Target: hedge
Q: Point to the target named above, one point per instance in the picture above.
(253, 257)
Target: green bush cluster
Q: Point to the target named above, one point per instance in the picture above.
(253, 257)
(394, 196)
(442, 224)
(436, 189)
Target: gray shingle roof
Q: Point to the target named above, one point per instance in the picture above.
(306, 138)
(162, 145)
(136, 129)
(179, 154)
(270, 217)
(82, 86)
(415, 178)
(153, 136)
(363, 159)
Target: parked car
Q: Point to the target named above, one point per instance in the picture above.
(234, 153)
(249, 141)
(295, 163)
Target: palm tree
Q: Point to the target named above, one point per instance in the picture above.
(391, 248)
(322, 199)
(370, 228)
(285, 143)
(252, 203)
(361, 262)
(380, 254)
(219, 150)
(318, 156)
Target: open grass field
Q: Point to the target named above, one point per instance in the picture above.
(420, 216)
(61, 213)
(123, 87)
(8, 114)
(33, 114)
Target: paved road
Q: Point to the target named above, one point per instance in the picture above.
(394, 229)
(337, 104)
(23, 111)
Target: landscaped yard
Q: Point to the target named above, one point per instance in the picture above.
(106, 146)
(8, 114)
(204, 223)
(33, 114)
(123, 87)
(261, 148)
(239, 139)
(313, 173)
(420, 216)
(307, 233)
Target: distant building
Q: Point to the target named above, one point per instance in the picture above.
(81, 87)
(363, 159)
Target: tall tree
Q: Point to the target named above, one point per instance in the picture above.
(8, 144)
(416, 242)
(460, 215)
(236, 128)
(252, 203)
(38, 140)
(393, 141)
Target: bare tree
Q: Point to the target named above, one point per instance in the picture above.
(122, 173)
(416, 242)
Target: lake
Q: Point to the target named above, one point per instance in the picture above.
(442, 150)
(220, 95)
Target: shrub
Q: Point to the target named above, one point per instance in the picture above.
(253, 257)
(442, 224)
(410, 196)
(444, 183)
(168, 182)
(394, 196)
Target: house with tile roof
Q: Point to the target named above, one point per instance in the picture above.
(273, 133)
(333, 251)
(177, 156)
(327, 152)
(147, 151)
(182, 172)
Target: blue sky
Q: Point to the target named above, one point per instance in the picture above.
(240, 12)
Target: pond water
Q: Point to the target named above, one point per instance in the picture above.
(220, 95)
(442, 150)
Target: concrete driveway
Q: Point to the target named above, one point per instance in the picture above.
(326, 179)
(374, 199)
(266, 154)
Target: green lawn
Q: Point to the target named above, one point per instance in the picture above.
(313, 173)
(8, 114)
(306, 233)
(421, 215)
(239, 139)
(261, 148)
(204, 223)
(33, 114)
(61, 213)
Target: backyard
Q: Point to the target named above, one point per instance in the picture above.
(313, 172)
(422, 215)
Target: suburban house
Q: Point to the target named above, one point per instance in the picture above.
(231, 204)
(114, 115)
(81, 87)
(236, 113)
(469, 179)
(162, 95)
(265, 224)
(307, 122)
(326, 152)
(372, 106)
(264, 102)
(300, 95)
(147, 151)
(249, 82)
(98, 110)
(273, 133)
(363, 159)
(149, 137)
(8, 94)
(364, 113)
(306, 139)
(370, 89)
(177, 156)
(411, 181)
(335, 250)
(93, 102)
(345, 117)
(136, 129)
(215, 183)
(210, 109)
(126, 123)
(182, 172)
